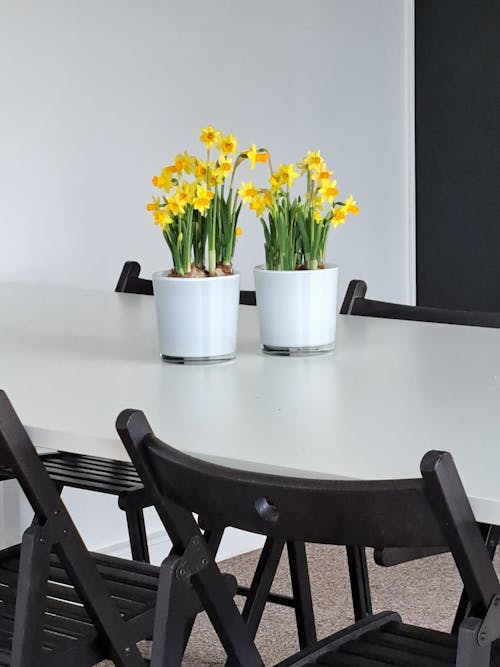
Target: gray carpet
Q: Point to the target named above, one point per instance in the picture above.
(425, 592)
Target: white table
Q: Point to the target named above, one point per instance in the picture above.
(71, 359)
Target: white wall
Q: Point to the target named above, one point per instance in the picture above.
(98, 95)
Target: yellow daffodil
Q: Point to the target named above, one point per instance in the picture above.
(317, 215)
(258, 204)
(184, 163)
(313, 160)
(201, 170)
(339, 215)
(217, 177)
(162, 218)
(275, 181)
(350, 205)
(268, 196)
(238, 231)
(202, 199)
(287, 174)
(322, 174)
(225, 164)
(247, 192)
(209, 136)
(257, 155)
(164, 180)
(154, 205)
(176, 205)
(227, 143)
(328, 191)
(185, 192)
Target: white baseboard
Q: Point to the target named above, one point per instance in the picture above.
(235, 542)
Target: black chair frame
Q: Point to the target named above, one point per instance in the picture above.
(61, 605)
(356, 303)
(259, 592)
(429, 512)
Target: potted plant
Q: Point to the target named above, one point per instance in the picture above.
(197, 210)
(296, 289)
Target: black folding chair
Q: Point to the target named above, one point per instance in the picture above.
(259, 592)
(429, 512)
(356, 303)
(59, 604)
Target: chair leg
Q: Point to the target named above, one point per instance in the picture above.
(301, 587)
(261, 583)
(491, 535)
(30, 599)
(137, 534)
(469, 653)
(360, 584)
(170, 616)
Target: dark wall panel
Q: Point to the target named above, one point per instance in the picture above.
(457, 61)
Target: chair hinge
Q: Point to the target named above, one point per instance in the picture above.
(489, 630)
(56, 528)
(195, 558)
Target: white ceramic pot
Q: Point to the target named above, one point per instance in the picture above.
(197, 317)
(297, 309)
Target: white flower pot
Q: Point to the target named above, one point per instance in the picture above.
(197, 317)
(297, 309)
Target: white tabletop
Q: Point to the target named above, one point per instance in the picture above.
(71, 359)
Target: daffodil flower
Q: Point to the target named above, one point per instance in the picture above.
(255, 155)
(201, 170)
(350, 205)
(227, 144)
(339, 216)
(268, 196)
(154, 205)
(164, 181)
(328, 191)
(275, 181)
(313, 159)
(238, 231)
(209, 136)
(162, 218)
(321, 175)
(258, 204)
(175, 205)
(287, 174)
(184, 163)
(185, 193)
(247, 192)
(225, 164)
(202, 199)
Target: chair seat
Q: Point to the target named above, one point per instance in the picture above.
(88, 472)
(395, 644)
(69, 635)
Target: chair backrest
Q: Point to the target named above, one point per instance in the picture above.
(130, 281)
(54, 529)
(355, 303)
(432, 511)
